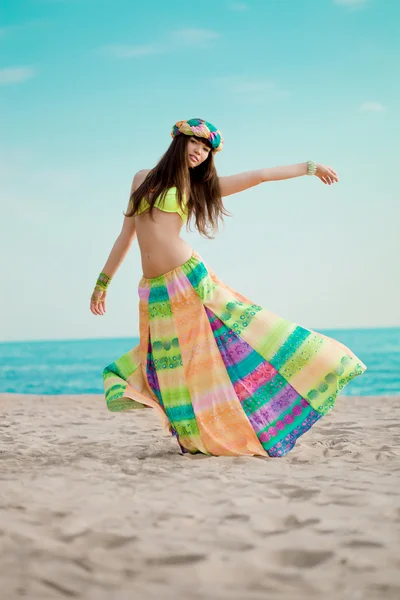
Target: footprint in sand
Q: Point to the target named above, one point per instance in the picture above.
(182, 559)
(100, 539)
(294, 523)
(297, 493)
(237, 517)
(384, 589)
(304, 559)
(291, 522)
(362, 544)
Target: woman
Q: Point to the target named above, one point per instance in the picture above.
(226, 376)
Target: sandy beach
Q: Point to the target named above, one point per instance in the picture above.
(98, 505)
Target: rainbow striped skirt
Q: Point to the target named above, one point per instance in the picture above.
(226, 376)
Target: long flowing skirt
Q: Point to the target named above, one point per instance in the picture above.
(226, 376)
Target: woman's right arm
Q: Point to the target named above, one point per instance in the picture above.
(120, 247)
(124, 239)
(117, 254)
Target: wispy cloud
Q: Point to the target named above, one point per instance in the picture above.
(238, 6)
(21, 164)
(58, 180)
(372, 106)
(58, 1)
(253, 89)
(119, 51)
(12, 75)
(194, 36)
(352, 3)
(177, 39)
(10, 29)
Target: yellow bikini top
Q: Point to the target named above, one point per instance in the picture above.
(170, 204)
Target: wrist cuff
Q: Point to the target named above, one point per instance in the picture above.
(103, 281)
(311, 167)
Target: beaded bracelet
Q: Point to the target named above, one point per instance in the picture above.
(311, 167)
(102, 283)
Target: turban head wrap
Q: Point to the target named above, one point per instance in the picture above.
(202, 129)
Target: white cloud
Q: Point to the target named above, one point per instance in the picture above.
(181, 37)
(239, 6)
(13, 75)
(58, 180)
(16, 161)
(119, 51)
(372, 106)
(251, 88)
(194, 36)
(57, 1)
(5, 31)
(352, 3)
(19, 165)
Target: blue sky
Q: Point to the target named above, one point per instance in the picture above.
(89, 91)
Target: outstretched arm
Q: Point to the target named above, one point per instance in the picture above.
(232, 184)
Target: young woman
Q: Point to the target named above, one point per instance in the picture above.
(226, 376)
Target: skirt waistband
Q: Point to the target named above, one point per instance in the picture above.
(149, 281)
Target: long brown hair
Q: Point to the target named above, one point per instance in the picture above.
(201, 185)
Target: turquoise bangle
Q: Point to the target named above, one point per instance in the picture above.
(311, 167)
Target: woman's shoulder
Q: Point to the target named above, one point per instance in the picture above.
(170, 193)
(138, 179)
(141, 175)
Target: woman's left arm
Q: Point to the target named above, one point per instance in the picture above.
(232, 184)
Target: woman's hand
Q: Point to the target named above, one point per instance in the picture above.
(98, 302)
(326, 174)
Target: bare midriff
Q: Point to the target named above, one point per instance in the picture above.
(161, 247)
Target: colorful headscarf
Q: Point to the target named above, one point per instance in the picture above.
(202, 129)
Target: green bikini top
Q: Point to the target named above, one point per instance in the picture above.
(170, 204)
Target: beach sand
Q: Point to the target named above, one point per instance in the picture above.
(101, 506)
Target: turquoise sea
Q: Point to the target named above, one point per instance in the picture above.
(75, 366)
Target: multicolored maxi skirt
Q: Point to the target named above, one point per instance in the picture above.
(226, 376)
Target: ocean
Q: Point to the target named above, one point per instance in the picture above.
(75, 366)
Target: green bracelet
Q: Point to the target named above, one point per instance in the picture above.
(102, 283)
(311, 167)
